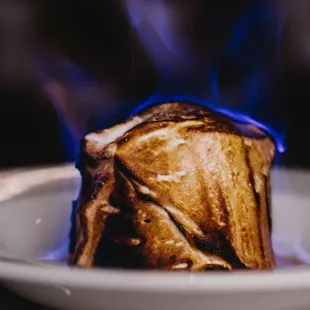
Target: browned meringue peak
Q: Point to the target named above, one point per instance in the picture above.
(177, 187)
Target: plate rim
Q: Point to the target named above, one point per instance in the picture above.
(158, 281)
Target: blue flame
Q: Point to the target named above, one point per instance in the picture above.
(257, 14)
(231, 113)
(58, 254)
(153, 22)
(70, 78)
(215, 87)
(239, 50)
(70, 146)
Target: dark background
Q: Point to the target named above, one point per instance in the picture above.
(69, 67)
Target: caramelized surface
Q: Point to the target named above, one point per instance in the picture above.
(177, 187)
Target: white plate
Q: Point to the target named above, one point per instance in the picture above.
(35, 207)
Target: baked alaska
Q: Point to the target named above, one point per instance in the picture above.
(176, 187)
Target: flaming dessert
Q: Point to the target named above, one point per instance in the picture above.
(176, 187)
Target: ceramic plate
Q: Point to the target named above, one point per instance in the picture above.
(35, 207)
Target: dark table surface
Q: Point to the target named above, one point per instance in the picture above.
(11, 301)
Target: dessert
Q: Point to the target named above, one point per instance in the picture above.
(176, 187)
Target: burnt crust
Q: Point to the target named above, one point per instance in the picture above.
(191, 186)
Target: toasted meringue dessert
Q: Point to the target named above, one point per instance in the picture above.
(176, 187)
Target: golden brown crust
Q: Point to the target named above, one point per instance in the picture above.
(179, 187)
